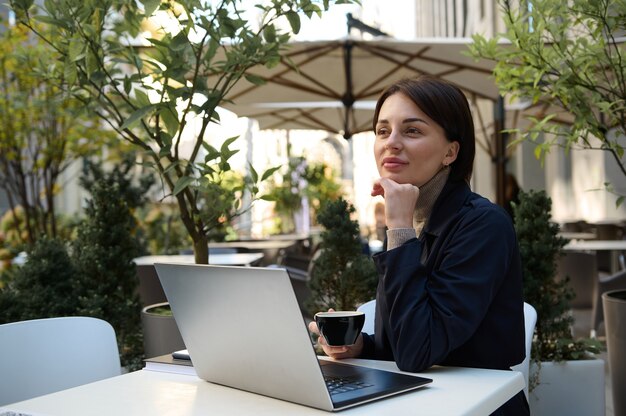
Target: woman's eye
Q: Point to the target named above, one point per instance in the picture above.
(413, 131)
(382, 131)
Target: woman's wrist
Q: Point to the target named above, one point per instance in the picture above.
(398, 236)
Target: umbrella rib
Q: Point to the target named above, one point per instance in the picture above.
(276, 78)
(457, 67)
(317, 124)
(377, 81)
(432, 59)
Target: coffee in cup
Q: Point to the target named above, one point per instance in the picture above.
(340, 327)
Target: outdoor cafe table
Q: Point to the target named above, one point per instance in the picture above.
(614, 246)
(454, 391)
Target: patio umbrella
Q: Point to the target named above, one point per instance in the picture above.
(344, 73)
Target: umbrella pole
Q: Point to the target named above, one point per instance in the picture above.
(500, 158)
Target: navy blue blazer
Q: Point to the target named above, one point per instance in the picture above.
(464, 305)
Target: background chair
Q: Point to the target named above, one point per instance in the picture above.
(43, 356)
(369, 308)
(530, 320)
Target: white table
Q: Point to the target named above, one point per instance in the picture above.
(222, 259)
(454, 391)
(614, 246)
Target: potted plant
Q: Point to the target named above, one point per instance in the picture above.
(160, 332)
(565, 376)
(342, 277)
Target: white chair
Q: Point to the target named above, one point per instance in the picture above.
(530, 319)
(369, 308)
(43, 356)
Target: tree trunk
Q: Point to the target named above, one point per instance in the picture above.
(201, 249)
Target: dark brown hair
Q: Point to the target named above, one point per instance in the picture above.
(445, 104)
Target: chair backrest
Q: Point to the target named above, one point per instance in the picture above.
(369, 308)
(530, 320)
(43, 356)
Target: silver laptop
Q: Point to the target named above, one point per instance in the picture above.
(244, 329)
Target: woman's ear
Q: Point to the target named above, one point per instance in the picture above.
(451, 153)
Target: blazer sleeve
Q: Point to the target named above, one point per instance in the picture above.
(427, 316)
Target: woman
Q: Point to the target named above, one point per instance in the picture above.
(450, 285)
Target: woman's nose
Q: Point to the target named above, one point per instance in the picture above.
(393, 141)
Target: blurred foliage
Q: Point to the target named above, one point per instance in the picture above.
(342, 277)
(44, 130)
(540, 245)
(566, 57)
(162, 229)
(315, 181)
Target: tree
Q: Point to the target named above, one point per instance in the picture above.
(565, 55)
(44, 130)
(540, 246)
(342, 277)
(157, 92)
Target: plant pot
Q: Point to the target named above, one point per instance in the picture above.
(160, 332)
(614, 307)
(569, 388)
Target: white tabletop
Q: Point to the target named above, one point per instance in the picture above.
(222, 259)
(596, 245)
(454, 391)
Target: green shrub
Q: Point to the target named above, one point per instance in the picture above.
(45, 286)
(103, 254)
(540, 246)
(342, 277)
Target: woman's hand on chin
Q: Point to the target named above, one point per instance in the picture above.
(400, 200)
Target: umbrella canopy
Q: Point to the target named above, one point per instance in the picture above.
(328, 116)
(348, 71)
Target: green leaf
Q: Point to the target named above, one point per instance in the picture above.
(269, 34)
(179, 42)
(294, 21)
(91, 63)
(619, 201)
(77, 46)
(149, 6)
(227, 143)
(253, 173)
(137, 115)
(269, 172)
(169, 115)
(255, 79)
(181, 184)
(142, 98)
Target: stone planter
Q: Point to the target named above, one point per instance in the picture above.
(569, 388)
(614, 306)
(160, 332)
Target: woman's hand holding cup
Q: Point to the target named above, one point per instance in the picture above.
(343, 322)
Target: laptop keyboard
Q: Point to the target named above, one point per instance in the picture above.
(338, 385)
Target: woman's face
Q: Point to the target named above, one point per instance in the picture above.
(410, 147)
